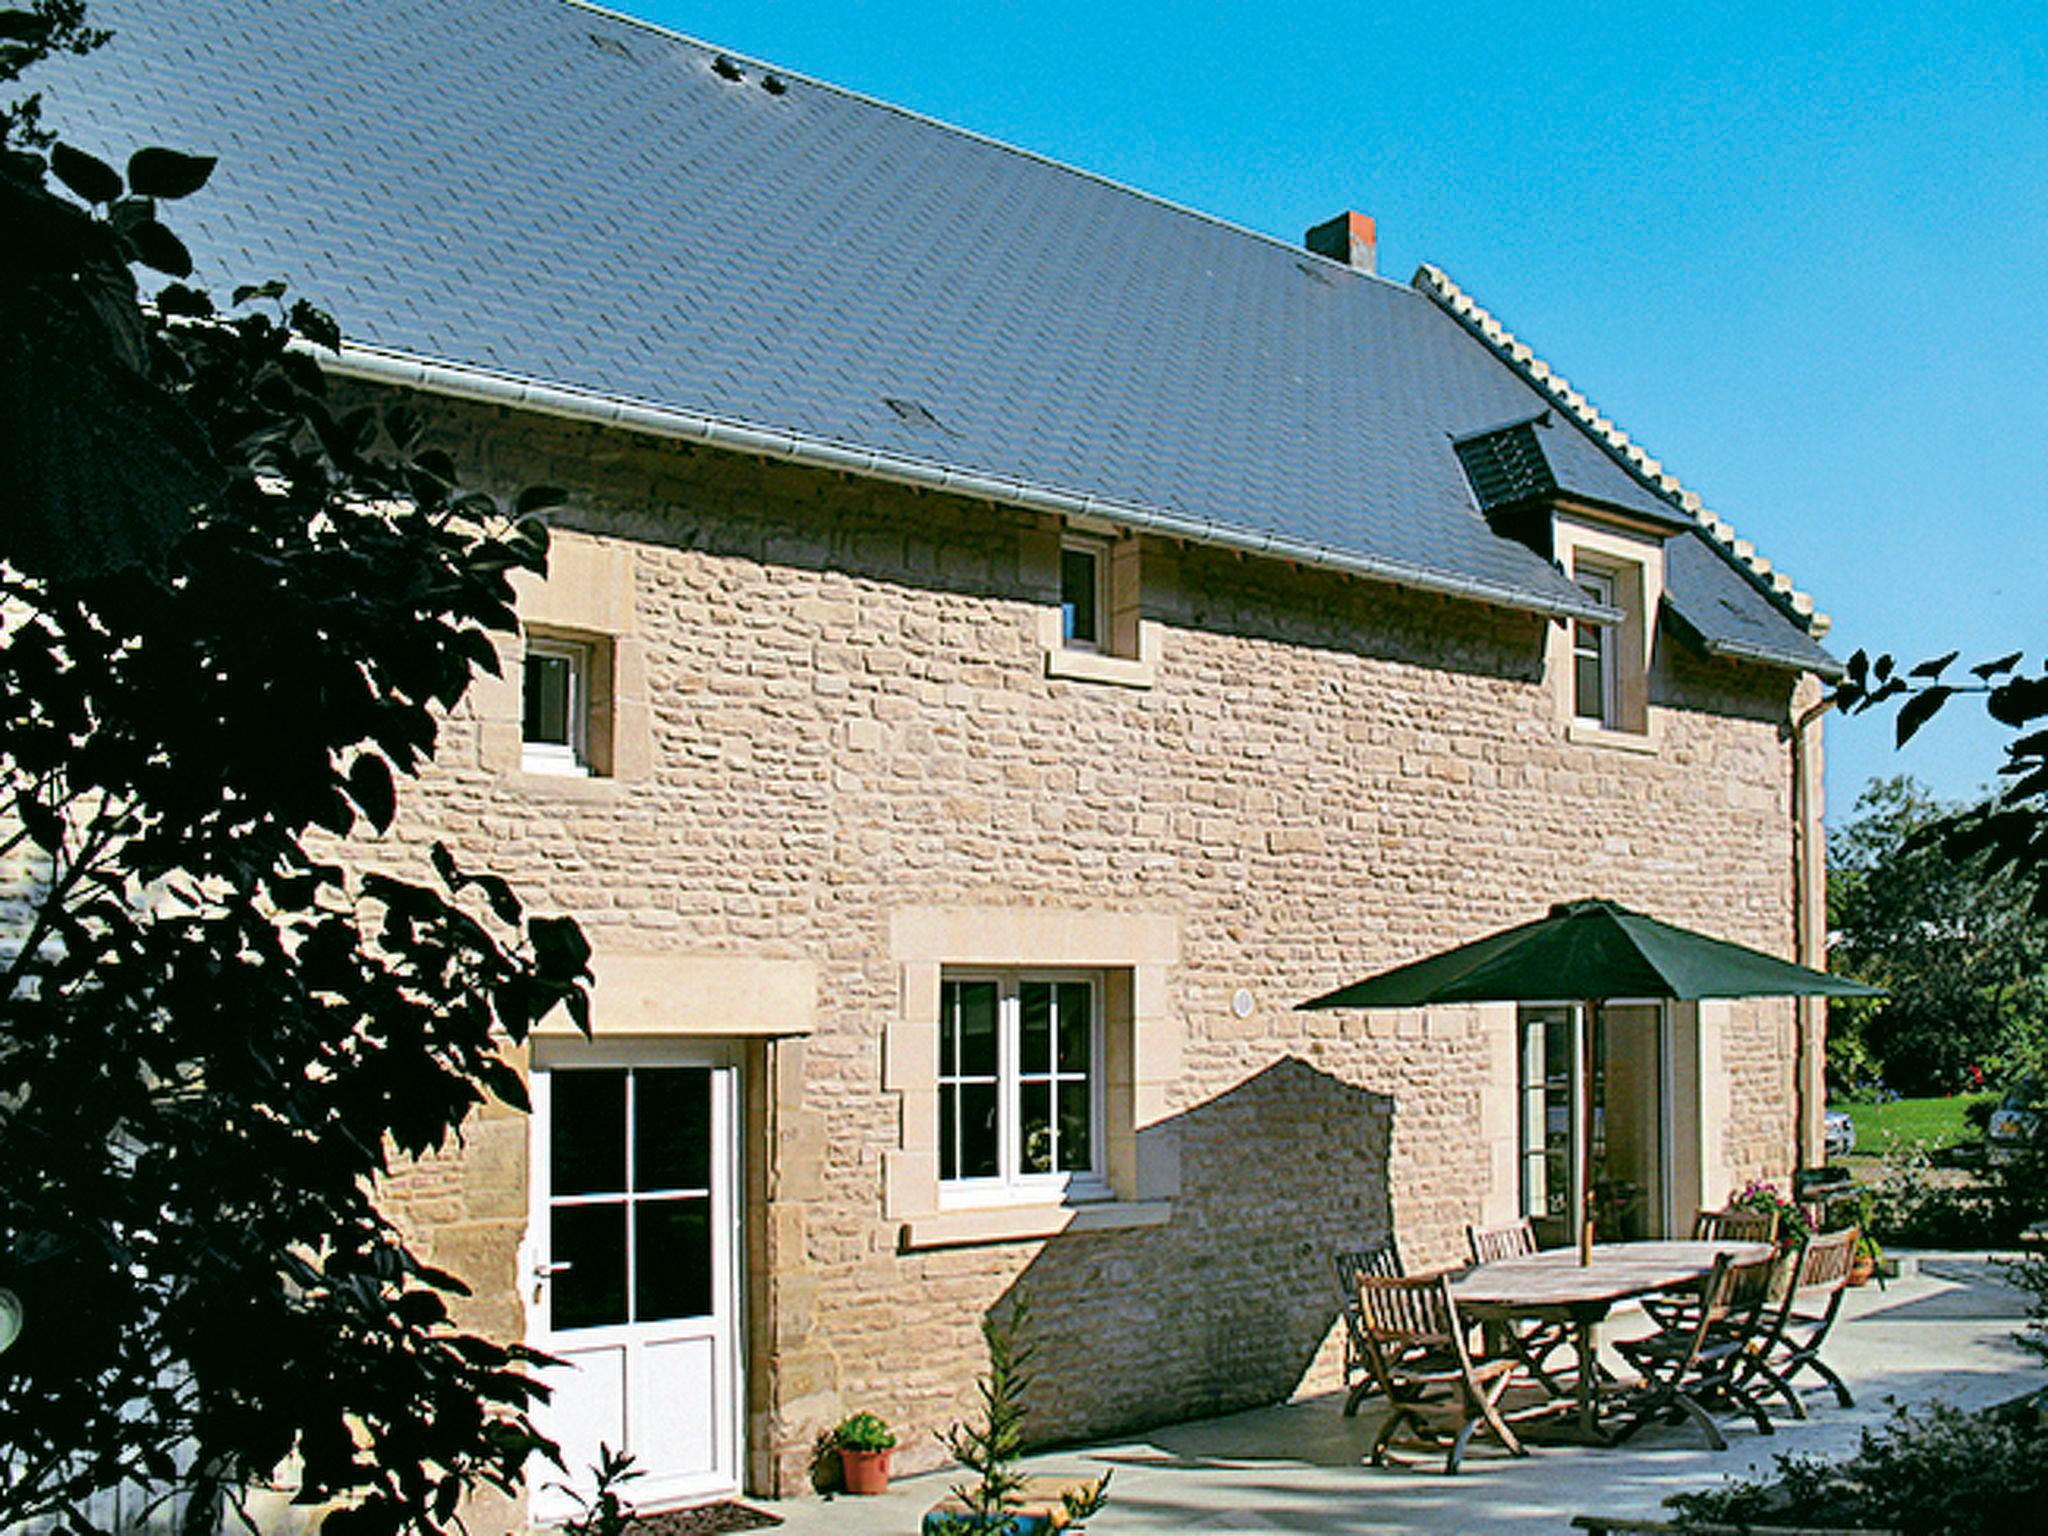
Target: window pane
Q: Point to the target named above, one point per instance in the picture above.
(949, 1122)
(547, 700)
(587, 1133)
(671, 1259)
(978, 1158)
(1077, 1025)
(591, 1240)
(973, 1017)
(1077, 595)
(1036, 1115)
(672, 1128)
(1076, 1156)
(1034, 1030)
(1589, 692)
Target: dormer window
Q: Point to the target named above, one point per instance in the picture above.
(1594, 694)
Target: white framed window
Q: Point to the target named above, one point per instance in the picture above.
(1595, 687)
(1084, 593)
(1020, 1083)
(555, 705)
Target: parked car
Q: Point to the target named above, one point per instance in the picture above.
(1839, 1135)
(2016, 1120)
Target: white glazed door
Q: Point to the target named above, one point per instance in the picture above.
(632, 1271)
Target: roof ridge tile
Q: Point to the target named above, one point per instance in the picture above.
(1775, 584)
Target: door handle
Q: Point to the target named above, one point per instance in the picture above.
(549, 1271)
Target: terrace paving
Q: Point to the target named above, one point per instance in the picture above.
(1944, 1330)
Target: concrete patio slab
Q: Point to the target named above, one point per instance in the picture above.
(1943, 1330)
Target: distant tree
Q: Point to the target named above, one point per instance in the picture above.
(231, 615)
(1963, 958)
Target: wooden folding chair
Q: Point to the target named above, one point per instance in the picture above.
(1426, 1368)
(1382, 1262)
(1737, 1224)
(1810, 1307)
(1665, 1362)
(1535, 1343)
(1510, 1240)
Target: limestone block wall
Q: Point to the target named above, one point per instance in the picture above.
(848, 713)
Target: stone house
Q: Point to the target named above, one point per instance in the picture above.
(1010, 640)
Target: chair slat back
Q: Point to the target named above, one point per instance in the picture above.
(1383, 1261)
(1826, 1267)
(1737, 1225)
(1749, 1285)
(1397, 1313)
(1512, 1240)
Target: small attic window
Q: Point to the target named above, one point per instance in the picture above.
(1506, 465)
(725, 69)
(611, 45)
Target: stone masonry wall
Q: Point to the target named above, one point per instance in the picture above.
(851, 716)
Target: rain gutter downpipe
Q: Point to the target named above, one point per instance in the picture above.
(379, 365)
(1809, 938)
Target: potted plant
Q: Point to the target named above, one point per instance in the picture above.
(1863, 1263)
(864, 1441)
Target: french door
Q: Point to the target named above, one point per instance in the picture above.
(632, 1267)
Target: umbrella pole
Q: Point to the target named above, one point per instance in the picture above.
(1585, 1067)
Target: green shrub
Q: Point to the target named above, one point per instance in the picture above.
(1935, 1471)
(863, 1432)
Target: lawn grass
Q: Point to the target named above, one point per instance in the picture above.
(1884, 1128)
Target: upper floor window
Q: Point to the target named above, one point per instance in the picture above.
(1084, 582)
(1020, 1086)
(556, 706)
(1594, 690)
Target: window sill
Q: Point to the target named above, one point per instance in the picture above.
(1094, 667)
(1587, 734)
(1025, 1223)
(588, 788)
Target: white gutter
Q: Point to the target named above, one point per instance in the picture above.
(383, 366)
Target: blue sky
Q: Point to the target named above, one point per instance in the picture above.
(1800, 253)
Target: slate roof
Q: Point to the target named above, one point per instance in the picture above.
(534, 190)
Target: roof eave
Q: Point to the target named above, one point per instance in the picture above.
(1820, 664)
(462, 381)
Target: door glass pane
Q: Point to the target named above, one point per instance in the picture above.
(672, 1259)
(978, 1131)
(672, 1128)
(1077, 1021)
(1034, 1027)
(587, 1133)
(591, 1240)
(1035, 1100)
(973, 1016)
(1075, 1123)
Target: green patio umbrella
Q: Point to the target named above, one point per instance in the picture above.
(1590, 950)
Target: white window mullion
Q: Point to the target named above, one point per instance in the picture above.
(1009, 1100)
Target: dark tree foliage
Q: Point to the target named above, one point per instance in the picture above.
(1961, 955)
(2011, 830)
(214, 1036)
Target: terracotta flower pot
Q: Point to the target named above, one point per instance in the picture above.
(865, 1471)
(1861, 1268)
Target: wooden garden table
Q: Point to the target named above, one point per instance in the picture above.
(1555, 1287)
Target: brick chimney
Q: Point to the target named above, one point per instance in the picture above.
(1348, 238)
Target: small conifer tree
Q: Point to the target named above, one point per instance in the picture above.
(991, 1448)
